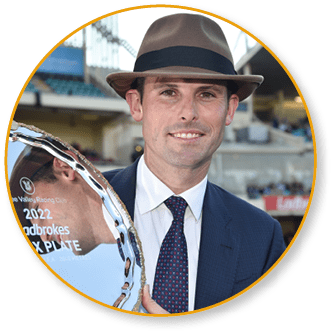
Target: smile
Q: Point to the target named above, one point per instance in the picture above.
(186, 135)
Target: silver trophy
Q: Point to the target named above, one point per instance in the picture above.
(73, 219)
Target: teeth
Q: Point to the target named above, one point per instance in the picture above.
(186, 135)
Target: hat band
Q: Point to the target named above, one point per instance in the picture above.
(188, 56)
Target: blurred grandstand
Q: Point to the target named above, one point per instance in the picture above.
(267, 156)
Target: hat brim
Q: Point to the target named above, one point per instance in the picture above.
(246, 84)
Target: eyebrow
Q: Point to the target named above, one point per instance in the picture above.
(215, 87)
(159, 85)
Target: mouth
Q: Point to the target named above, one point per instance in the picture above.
(186, 135)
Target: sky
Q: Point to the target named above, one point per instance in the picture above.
(141, 19)
(132, 26)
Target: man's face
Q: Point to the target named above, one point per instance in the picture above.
(183, 121)
(57, 206)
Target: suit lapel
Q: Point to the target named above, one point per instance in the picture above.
(219, 248)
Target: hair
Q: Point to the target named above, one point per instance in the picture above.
(45, 174)
(231, 88)
(139, 84)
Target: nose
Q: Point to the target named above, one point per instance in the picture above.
(189, 110)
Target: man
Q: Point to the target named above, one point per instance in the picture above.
(49, 214)
(185, 91)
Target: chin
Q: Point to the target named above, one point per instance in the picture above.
(81, 253)
(190, 161)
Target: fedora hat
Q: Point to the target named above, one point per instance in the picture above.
(187, 46)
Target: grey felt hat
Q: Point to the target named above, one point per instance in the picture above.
(185, 46)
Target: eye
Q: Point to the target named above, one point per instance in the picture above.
(206, 94)
(168, 93)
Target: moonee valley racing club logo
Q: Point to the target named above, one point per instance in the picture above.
(27, 185)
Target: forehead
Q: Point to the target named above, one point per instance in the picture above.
(174, 81)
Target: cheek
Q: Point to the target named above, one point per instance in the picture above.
(215, 120)
(221, 117)
(153, 127)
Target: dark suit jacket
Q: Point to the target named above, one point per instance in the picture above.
(239, 242)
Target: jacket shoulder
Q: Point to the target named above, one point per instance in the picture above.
(109, 175)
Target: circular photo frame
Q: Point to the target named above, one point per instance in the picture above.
(280, 127)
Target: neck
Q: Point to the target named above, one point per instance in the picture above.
(100, 232)
(177, 178)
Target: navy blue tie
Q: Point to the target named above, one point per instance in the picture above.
(171, 276)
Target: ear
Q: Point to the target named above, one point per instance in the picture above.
(232, 107)
(134, 101)
(62, 169)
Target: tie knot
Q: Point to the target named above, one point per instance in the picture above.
(177, 206)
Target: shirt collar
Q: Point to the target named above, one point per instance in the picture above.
(151, 192)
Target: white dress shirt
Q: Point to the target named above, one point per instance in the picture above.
(153, 219)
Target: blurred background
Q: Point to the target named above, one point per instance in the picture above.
(267, 156)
